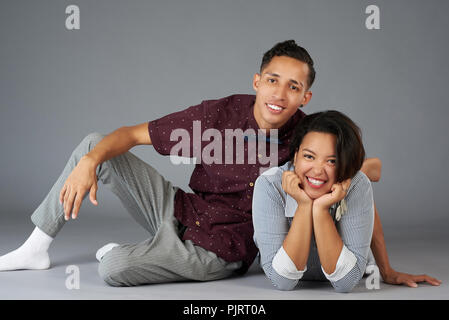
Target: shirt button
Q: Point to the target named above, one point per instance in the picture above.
(251, 184)
(197, 223)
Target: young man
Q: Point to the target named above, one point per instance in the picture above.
(208, 234)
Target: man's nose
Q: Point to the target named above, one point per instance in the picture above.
(280, 93)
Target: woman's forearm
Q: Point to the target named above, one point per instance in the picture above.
(114, 144)
(297, 241)
(328, 241)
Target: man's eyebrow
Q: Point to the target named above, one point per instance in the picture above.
(291, 80)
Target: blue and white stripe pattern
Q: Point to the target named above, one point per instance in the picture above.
(273, 211)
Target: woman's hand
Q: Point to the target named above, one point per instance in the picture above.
(338, 192)
(291, 183)
(81, 179)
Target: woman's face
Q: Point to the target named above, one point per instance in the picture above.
(315, 163)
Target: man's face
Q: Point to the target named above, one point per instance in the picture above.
(281, 89)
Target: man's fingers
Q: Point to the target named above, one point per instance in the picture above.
(77, 204)
(66, 198)
(426, 278)
(411, 284)
(69, 204)
(62, 193)
(93, 194)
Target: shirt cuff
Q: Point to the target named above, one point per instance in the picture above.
(346, 261)
(285, 267)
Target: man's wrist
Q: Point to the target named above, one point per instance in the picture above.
(91, 160)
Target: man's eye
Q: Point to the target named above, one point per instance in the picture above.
(271, 80)
(294, 88)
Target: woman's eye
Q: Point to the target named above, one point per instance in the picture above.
(332, 161)
(308, 156)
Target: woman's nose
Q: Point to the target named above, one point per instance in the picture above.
(318, 169)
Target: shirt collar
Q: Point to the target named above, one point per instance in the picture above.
(282, 131)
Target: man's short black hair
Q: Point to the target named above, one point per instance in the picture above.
(290, 49)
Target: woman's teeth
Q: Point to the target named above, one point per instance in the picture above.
(315, 182)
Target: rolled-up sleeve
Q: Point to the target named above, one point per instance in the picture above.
(355, 229)
(270, 229)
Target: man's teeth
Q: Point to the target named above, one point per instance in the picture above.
(272, 106)
(315, 182)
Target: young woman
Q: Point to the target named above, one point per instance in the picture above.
(313, 217)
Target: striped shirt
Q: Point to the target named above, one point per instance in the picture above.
(273, 211)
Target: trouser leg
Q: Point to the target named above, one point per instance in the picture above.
(141, 189)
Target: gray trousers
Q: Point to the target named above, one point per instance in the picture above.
(149, 198)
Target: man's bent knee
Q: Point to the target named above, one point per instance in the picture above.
(112, 269)
(92, 139)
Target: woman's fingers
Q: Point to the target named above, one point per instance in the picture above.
(346, 184)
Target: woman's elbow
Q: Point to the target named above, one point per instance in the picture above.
(284, 286)
(347, 284)
(345, 288)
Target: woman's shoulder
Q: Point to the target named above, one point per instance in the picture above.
(360, 185)
(275, 173)
(272, 178)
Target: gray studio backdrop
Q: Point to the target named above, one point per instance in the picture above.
(134, 61)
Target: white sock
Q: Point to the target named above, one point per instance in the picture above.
(31, 255)
(102, 251)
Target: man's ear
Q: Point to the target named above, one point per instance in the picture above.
(256, 81)
(306, 98)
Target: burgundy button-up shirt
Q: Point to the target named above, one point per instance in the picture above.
(218, 214)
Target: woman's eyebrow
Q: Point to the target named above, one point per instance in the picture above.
(308, 150)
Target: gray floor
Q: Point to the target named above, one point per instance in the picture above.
(410, 250)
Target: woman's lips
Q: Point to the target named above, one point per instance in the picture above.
(315, 183)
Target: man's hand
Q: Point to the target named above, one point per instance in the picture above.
(81, 179)
(291, 183)
(394, 277)
(338, 192)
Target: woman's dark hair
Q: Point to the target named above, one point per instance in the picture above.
(349, 146)
(289, 48)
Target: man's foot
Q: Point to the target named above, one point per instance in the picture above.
(102, 251)
(23, 259)
(32, 255)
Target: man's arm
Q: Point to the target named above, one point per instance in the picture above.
(389, 275)
(83, 178)
(119, 142)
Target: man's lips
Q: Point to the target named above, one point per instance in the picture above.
(274, 108)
